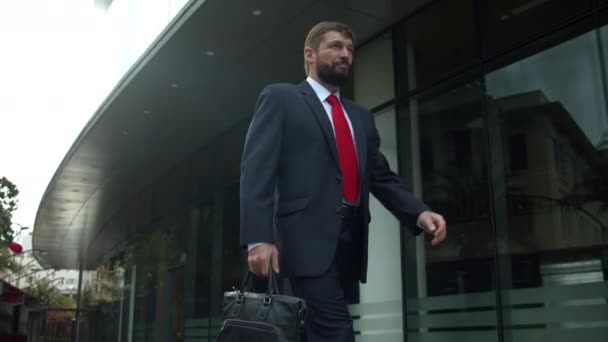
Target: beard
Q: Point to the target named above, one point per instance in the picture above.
(329, 73)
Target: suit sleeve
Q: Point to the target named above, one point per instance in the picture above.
(259, 166)
(388, 188)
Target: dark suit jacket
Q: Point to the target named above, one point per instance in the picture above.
(291, 191)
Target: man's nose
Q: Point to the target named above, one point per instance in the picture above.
(345, 52)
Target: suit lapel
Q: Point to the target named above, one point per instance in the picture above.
(319, 112)
(312, 100)
(360, 137)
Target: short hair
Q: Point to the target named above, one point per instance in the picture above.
(315, 35)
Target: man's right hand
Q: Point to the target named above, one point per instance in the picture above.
(261, 256)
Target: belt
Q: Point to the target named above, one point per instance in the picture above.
(350, 212)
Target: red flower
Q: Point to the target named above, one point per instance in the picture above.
(15, 247)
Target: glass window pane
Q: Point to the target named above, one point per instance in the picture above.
(547, 120)
(373, 73)
(450, 288)
(504, 23)
(436, 42)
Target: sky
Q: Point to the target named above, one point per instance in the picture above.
(51, 82)
(59, 60)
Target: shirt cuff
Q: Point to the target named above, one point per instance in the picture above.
(253, 245)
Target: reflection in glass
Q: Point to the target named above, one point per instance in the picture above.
(427, 45)
(455, 294)
(150, 257)
(602, 35)
(547, 116)
(504, 23)
(101, 299)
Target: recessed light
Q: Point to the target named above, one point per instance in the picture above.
(256, 13)
(125, 132)
(210, 53)
(147, 111)
(174, 85)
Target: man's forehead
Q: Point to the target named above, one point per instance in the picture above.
(335, 36)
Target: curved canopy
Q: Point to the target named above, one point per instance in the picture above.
(177, 97)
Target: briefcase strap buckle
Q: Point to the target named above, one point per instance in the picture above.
(236, 309)
(263, 313)
(300, 325)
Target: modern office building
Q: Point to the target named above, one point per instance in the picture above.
(494, 112)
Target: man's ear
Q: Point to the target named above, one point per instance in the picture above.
(308, 54)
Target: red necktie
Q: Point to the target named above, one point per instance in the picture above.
(346, 151)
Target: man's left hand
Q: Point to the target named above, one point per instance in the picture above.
(434, 225)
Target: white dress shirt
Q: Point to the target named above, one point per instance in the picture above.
(322, 94)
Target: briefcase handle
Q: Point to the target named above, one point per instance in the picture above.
(272, 287)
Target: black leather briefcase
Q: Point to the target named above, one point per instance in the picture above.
(262, 317)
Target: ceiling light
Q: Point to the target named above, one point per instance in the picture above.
(256, 13)
(125, 132)
(147, 111)
(174, 85)
(210, 53)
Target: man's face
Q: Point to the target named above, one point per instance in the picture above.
(334, 58)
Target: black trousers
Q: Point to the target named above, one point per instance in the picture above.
(327, 296)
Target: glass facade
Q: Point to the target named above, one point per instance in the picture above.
(496, 114)
(511, 149)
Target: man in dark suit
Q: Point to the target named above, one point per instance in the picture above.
(310, 160)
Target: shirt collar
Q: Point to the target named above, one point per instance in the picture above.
(320, 90)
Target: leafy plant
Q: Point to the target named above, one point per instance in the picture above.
(8, 264)
(8, 204)
(44, 292)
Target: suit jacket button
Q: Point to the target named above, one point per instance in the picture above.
(338, 209)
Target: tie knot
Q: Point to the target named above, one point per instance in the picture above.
(332, 99)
